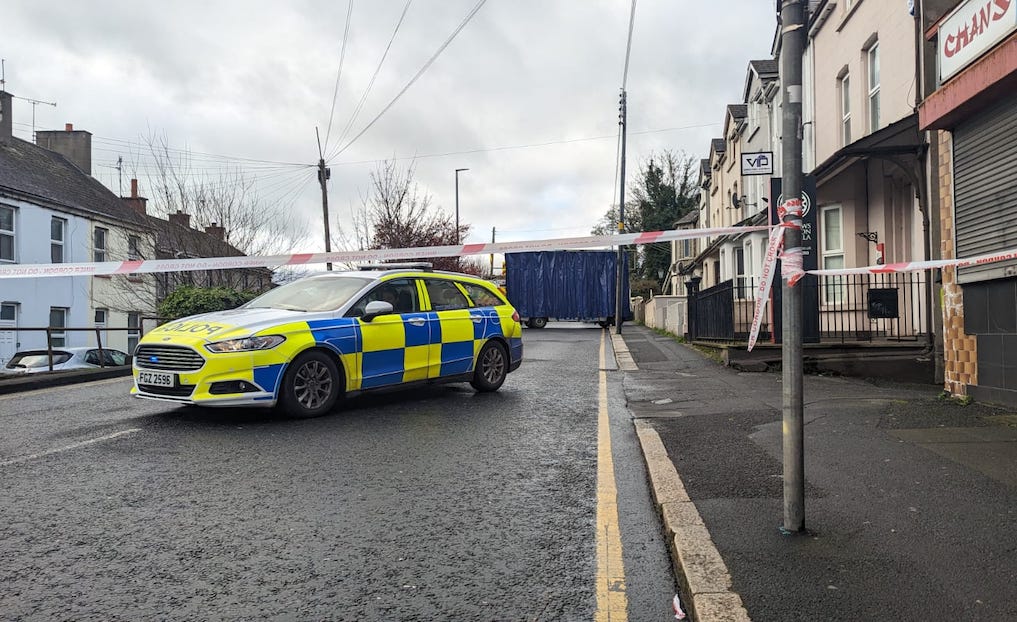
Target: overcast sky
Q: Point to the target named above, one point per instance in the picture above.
(250, 79)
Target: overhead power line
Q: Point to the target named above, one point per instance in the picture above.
(370, 85)
(419, 73)
(526, 146)
(339, 72)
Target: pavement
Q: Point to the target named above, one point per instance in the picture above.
(910, 498)
(44, 380)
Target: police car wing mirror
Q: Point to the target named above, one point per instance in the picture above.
(376, 308)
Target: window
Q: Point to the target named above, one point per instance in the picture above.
(739, 270)
(845, 109)
(58, 321)
(101, 316)
(134, 332)
(8, 312)
(445, 296)
(833, 253)
(6, 233)
(99, 244)
(133, 247)
(57, 226)
(873, 64)
(481, 296)
(400, 293)
(133, 253)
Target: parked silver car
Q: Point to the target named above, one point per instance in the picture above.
(32, 361)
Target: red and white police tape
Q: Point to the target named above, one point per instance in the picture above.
(791, 269)
(14, 271)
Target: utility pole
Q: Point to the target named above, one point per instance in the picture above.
(620, 272)
(458, 170)
(792, 19)
(323, 176)
(492, 254)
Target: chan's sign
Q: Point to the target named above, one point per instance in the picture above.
(972, 29)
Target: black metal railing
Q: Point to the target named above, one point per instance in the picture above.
(851, 308)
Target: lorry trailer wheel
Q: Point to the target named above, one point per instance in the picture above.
(538, 322)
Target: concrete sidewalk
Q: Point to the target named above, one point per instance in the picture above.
(45, 380)
(911, 500)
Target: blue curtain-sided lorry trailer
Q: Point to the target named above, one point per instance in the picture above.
(565, 285)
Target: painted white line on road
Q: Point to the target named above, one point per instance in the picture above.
(11, 396)
(49, 452)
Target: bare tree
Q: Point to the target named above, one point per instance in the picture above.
(201, 214)
(226, 198)
(396, 213)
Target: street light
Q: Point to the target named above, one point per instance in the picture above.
(458, 170)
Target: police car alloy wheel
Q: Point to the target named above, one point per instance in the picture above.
(311, 387)
(492, 367)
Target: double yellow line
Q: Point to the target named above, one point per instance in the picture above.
(612, 603)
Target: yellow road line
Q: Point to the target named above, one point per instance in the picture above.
(612, 603)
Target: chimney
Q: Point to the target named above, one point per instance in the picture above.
(75, 145)
(216, 231)
(180, 218)
(134, 201)
(6, 117)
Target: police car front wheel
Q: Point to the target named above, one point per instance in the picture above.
(311, 386)
(492, 367)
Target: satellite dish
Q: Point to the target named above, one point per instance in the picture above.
(735, 201)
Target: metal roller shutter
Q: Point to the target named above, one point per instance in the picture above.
(985, 188)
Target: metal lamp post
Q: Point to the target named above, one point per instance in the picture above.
(458, 170)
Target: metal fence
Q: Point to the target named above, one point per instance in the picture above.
(852, 308)
(58, 333)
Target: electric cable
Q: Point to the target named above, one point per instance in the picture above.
(370, 85)
(339, 72)
(419, 73)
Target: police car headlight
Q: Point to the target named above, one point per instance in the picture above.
(245, 345)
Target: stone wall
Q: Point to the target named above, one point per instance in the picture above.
(959, 349)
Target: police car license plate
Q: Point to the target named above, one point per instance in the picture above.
(157, 379)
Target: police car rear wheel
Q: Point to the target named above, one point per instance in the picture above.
(311, 386)
(492, 367)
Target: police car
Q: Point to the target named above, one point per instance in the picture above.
(304, 345)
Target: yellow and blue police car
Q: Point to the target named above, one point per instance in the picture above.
(304, 345)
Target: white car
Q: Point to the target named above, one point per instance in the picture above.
(32, 361)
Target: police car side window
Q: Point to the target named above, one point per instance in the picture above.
(481, 296)
(445, 296)
(400, 293)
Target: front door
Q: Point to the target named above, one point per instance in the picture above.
(8, 336)
(394, 346)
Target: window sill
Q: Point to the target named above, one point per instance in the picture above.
(847, 16)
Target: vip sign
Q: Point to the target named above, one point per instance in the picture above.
(971, 30)
(758, 163)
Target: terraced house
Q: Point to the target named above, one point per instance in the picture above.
(53, 211)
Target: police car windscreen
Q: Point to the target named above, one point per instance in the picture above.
(310, 294)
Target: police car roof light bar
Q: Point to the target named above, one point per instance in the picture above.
(410, 265)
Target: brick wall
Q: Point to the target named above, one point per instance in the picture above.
(959, 349)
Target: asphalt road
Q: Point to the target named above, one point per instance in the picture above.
(436, 504)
